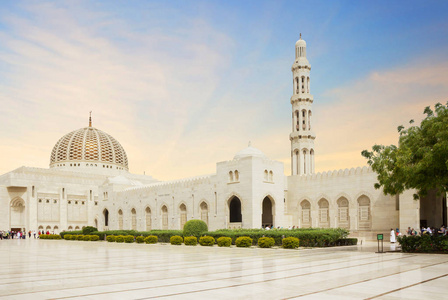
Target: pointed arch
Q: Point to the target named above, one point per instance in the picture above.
(364, 213)
(147, 218)
(235, 209)
(268, 211)
(120, 219)
(133, 219)
(106, 217)
(183, 214)
(17, 213)
(204, 208)
(305, 216)
(164, 213)
(343, 212)
(324, 208)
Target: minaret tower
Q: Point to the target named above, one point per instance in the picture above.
(302, 137)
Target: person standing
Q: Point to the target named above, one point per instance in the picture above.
(392, 236)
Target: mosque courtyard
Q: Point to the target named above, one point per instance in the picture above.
(59, 269)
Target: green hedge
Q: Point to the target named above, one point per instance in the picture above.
(77, 232)
(243, 241)
(309, 237)
(129, 239)
(424, 243)
(119, 238)
(265, 242)
(176, 240)
(224, 241)
(88, 230)
(290, 242)
(140, 239)
(50, 237)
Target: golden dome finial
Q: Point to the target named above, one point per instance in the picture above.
(90, 119)
(300, 35)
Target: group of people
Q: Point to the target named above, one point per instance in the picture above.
(443, 230)
(11, 234)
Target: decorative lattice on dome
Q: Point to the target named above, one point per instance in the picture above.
(90, 145)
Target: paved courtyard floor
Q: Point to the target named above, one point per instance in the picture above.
(49, 269)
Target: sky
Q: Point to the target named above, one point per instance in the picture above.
(183, 85)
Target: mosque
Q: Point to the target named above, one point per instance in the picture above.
(88, 183)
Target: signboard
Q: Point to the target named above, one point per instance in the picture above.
(379, 237)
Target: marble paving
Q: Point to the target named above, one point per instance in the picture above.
(48, 269)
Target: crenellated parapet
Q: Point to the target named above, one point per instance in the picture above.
(336, 173)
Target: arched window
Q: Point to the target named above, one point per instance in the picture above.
(266, 175)
(308, 84)
(297, 162)
(148, 219)
(303, 119)
(364, 213)
(309, 120)
(237, 175)
(164, 217)
(271, 176)
(56, 230)
(297, 85)
(304, 162)
(183, 215)
(133, 219)
(76, 228)
(311, 161)
(343, 213)
(230, 176)
(324, 218)
(306, 214)
(204, 212)
(120, 219)
(70, 228)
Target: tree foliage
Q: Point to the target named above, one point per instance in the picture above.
(420, 161)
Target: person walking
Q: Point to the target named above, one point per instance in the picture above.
(392, 236)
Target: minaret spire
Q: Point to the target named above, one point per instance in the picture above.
(90, 119)
(302, 136)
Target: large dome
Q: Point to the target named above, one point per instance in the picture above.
(88, 147)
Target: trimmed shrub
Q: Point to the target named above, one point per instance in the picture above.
(424, 243)
(119, 239)
(79, 237)
(206, 240)
(195, 228)
(224, 241)
(129, 239)
(151, 239)
(190, 241)
(243, 241)
(265, 242)
(88, 230)
(43, 237)
(62, 234)
(67, 237)
(290, 243)
(176, 240)
(74, 237)
(94, 237)
(140, 239)
(86, 238)
(111, 238)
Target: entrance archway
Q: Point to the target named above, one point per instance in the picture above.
(106, 217)
(235, 215)
(17, 213)
(267, 216)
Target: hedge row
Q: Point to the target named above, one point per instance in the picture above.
(80, 237)
(50, 237)
(310, 237)
(424, 244)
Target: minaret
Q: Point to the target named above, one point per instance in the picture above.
(302, 137)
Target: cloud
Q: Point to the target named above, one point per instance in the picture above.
(368, 111)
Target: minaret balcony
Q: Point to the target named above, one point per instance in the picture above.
(303, 134)
(306, 97)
